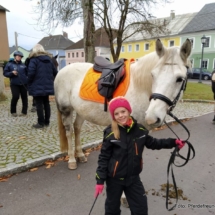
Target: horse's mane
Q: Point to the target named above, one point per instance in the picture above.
(141, 69)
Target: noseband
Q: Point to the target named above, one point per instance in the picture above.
(165, 99)
(175, 153)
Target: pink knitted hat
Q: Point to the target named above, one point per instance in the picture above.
(116, 102)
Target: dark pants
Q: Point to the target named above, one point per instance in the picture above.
(42, 104)
(16, 91)
(135, 195)
(33, 102)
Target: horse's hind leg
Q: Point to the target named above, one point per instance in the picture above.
(77, 130)
(67, 122)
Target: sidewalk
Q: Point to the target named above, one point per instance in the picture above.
(23, 147)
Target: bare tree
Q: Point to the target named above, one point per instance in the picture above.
(89, 30)
(128, 18)
(53, 13)
(121, 19)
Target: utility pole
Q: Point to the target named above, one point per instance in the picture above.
(16, 43)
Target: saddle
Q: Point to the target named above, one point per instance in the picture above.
(111, 76)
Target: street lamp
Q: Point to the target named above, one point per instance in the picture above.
(203, 40)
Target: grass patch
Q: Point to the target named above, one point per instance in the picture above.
(198, 91)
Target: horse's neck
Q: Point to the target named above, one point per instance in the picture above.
(140, 72)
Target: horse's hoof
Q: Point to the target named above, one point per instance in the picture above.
(82, 159)
(72, 165)
(124, 202)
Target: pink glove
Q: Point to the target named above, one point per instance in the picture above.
(179, 143)
(98, 189)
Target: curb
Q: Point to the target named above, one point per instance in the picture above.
(197, 101)
(17, 168)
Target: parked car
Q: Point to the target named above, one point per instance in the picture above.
(189, 73)
(206, 75)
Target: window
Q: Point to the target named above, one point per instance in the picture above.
(137, 47)
(73, 55)
(129, 48)
(146, 46)
(122, 49)
(76, 54)
(204, 64)
(207, 43)
(68, 55)
(171, 43)
(82, 54)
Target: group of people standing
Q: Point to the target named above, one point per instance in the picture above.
(34, 77)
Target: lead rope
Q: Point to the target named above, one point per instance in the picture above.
(172, 160)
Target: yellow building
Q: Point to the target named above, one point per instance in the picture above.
(142, 43)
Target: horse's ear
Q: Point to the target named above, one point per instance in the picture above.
(185, 50)
(56, 56)
(159, 48)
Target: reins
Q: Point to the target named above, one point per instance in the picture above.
(175, 153)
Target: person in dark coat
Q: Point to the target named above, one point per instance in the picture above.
(213, 89)
(17, 72)
(120, 161)
(41, 75)
(33, 109)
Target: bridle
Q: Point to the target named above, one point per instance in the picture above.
(173, 103)
(175, 153)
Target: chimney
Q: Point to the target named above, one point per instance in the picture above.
(65, 34)
(172, 14)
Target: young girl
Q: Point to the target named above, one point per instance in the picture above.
(120, 161)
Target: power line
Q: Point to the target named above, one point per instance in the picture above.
(28, 36)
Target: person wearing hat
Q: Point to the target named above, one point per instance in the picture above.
(120, 161)
(17, 72)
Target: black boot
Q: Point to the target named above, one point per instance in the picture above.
(37, 126)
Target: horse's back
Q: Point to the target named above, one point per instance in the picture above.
(69, 78)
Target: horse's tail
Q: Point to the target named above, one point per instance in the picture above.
(62, 133)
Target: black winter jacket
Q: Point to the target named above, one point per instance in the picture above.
(41, 75)
(121, 159)
(21, 78)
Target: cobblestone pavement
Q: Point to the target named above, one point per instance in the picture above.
(23, 147)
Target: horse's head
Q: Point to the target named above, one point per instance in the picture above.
(169, 79)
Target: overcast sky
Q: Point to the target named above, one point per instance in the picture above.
(21, 19)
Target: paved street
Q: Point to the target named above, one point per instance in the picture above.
(23, 147)
(59, 191)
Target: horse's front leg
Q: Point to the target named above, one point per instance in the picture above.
(67, 122)
(77, 130)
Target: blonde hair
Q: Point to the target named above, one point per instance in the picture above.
(115, 129)
(38, 48)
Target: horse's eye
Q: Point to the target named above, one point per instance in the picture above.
(179, 80)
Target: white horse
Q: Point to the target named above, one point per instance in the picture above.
(158, 72)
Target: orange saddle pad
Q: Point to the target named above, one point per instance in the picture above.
(89, 87)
